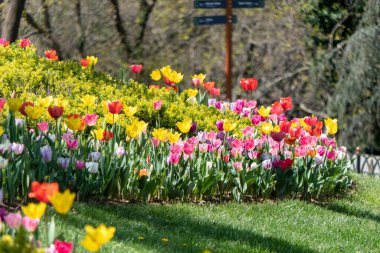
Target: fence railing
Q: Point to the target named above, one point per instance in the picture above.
(364, 163)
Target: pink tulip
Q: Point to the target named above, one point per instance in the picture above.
(203, 148)
(174, 158)
(91, 119)
(155, 142)
(72, 144)
(13, 220)
(80, 164)
(157, 105)
(30, 225)
(25, 43)
(238, 166)
(188, 148)
(136, 68)
(43, 127)
(196, 81)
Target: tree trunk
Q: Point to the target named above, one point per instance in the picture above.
(12, 20)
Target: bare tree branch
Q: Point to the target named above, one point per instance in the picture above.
(82, 39)
(12, 20)
(146, 10)
(120, 27)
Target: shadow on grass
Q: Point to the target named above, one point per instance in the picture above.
(351, 211)
(186, 233)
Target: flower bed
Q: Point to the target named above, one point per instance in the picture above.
(105, 138)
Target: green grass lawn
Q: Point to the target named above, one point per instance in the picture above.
(351, 224)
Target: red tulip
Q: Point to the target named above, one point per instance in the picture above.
(51, 55)
(114, 107)
(248, 84)
(23, 106)
(215, 92)
(209, 85)
(84, 63)
(63, 247)
(311, 121)
(283, 164)
(285, 126)
(25, 43)
(107, 136)
(55, 111)
(276, 108)
(136, 68)
(286, 103)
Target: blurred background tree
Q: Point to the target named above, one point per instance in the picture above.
(323, 53)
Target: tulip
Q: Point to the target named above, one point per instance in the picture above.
(17, 148)
(14, 220)
(62, 202)
(209, 85)
(3, 214)
(96, 237)
(46, 153)
(228, 125)
(34, 211)
(215, 92)
(88, 100)
(51, 55)
(14, 104)
(185, 125)
(266, 164)
(3, 163)
(143, 173)
(248, 84)
(155, 75)
(43, 191)
(157, 105)
(55, 111)
(24, 43)
(219, 125)
(238, 166)
(278, 136)
(160, 134)
(193, 127)
(91, 119)
(120, 151)
(92, 167)
(114, 107)
(84, 63)
(331, 125)
(72, 144)
(136, 68)
(286, 103)
(276, 108)
(94, 156)
(2, 103)
(80, 164)
(173, 137)
(29, 224)
(75, 122)
(188, 148)
(63, 162)
(129, 111)
(264, 111)
(43, 127)
(4, 42)
(63, 247)
(107, 135)
(23, 106)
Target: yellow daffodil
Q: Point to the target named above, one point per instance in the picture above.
(63, 202)
(228, 125)
(34, 112)
(185, 125)
(112, 118)
(88, 100)
(264, 111)
(331, 125)
(34, 211)
(160, 134)
(155, 75)
(97, 237)
(45, 102)
(1, 130)
(192, 92)
(173, 137)
(266, 128)
(130, 110)
(200, 77)
(14, 104)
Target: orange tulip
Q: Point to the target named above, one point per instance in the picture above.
(43, 191)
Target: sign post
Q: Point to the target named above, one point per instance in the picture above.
(228, 20)
(228, 67)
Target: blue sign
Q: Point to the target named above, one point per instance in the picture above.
(207, 4)
(213, 20)
(248, 3)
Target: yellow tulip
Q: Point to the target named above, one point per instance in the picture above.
(276, 129)
(74, 122)
(112, 118)
(266, 128)
(93, 60)
(14, 104)
(97, 237)
(175, 77)
(173, 137)
(160, 134)
(45, 102)
(264, 111)
(130, 111)
(155, 75)
(192, 92)
(166, 71)
(99, 134)
(62, 202)
(34, 112)
(1, 130)
(185, 125)
(88, 100)
(34, 211)
(135, 129)
(200, 77)
(228, 125)
(331, 125)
